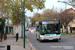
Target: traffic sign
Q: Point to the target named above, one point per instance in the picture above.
(64, 30)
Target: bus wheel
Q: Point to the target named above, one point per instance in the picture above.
(40, 39)
(36, 37)
(56, 40)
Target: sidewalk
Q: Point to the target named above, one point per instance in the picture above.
(13, 44)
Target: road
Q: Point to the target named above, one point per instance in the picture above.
(66, 43)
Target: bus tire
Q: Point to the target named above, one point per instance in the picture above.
(36, 37)
(40, 39)
(56, 40)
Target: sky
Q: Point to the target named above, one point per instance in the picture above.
(48, 5)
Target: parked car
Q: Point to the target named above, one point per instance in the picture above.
(32, 29)
(26, 29)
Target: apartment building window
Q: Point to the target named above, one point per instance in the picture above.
(73, 28)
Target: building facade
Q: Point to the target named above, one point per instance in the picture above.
(71, 25)
(28, 22)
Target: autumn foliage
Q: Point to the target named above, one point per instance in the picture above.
(45, 15)
(65, 16)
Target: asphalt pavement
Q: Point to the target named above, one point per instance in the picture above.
(66, 43)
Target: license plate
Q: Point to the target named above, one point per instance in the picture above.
(51, 39)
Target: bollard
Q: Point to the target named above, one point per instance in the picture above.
(8, 47)
(16, 37)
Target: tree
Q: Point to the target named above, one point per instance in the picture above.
(65, 18)
(2, 24)
(16, 13)
(31, 4)
(37, 14)
(45, 15)
(5, 10)
(49, 13)
(7, 7)
(71, 3)
(37, 17)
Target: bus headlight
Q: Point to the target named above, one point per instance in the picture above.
(42, 37)
(58, 37)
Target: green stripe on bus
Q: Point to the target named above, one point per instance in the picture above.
(58, 34)
(41, 35)
(50, 35)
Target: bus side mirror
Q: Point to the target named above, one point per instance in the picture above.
(60, 25)
(40, 23)
(37, 26)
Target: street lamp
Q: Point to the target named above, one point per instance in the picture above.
(23, 8)
(63, 2)
(21, 20)
(65, 7)
(16, 6)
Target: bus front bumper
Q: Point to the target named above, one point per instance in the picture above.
(51, 38)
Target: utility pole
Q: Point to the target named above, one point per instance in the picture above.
(65, 9)
(23, 10)
(21, 21)
(24, 20)
(8, 16)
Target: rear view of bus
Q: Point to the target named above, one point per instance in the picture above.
(48, 30)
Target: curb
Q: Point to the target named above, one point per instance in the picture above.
(31, 45)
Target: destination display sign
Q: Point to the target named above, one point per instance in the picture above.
(50, 22)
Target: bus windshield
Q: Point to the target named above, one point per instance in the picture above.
(50, 28)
